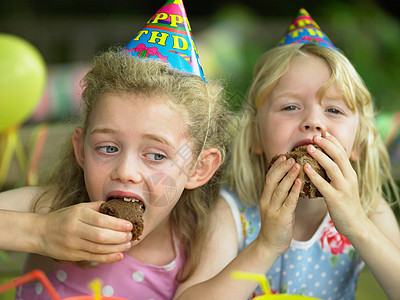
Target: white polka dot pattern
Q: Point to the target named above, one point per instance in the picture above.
(108, 291)
(38, 288)
(61, 275)
(138, 276)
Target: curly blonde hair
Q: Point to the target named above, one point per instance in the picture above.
(372, 166)
(205, 112)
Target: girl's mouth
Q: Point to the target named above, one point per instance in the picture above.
(302, 143)
(126, 199)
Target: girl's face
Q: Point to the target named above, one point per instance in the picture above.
(136, 147)
(293, 113)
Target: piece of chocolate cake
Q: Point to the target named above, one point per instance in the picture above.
(130, 211)
(302, 157)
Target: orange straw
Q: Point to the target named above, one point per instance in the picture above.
(34, 275)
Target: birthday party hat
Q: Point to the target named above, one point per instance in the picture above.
(167, 36)
(304, 30)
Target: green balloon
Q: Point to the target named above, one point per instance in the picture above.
(22, 80)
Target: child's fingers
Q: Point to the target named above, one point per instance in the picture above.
(332, 169)
(101, 248)
(331, 145)
(322, 185)
(336, 160)
(281, 192)
(103, 236)
(68, 235)
(90, 241)
(291, 201)
(273, 177)
(277, 162)
(100, 258)
(108, 258)
(94, 218)
(332, 139)
(103, 229)
(103, 233)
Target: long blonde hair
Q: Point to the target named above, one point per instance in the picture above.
(372, 166)
(205, 112)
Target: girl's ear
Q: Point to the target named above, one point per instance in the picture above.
(354, 154)
(206, 166)
(257, 147)
(77, 142)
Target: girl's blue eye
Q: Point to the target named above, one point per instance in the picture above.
(108, 149)
(155, 156)
(334, 111)
(290, 108)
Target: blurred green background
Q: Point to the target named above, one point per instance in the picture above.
(230, 36)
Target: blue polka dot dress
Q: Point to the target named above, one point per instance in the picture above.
(326, 266)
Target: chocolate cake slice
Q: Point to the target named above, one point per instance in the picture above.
(302, 157)
(131, 211)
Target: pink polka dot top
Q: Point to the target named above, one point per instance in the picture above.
(128, 279)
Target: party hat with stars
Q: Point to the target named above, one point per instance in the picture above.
(167, 37)
(304, 30)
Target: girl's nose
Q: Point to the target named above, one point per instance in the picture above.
(313, 121)
(127, 169)
(311, 125)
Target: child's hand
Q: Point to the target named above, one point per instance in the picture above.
(80, 232)
(341, 194)
(278, 202)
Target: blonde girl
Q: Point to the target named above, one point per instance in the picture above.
(306, 94)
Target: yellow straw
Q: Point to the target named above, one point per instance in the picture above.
(95, 286)
(7, 148)
(10, 144)
(254, 277)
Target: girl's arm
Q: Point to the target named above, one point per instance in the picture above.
(18, 199)
(212, 279)
(377, 241)
(16, 223)
(74, 233)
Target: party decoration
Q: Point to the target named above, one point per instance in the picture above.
(10, 145)
(304, 30)
(265, 288)
(46, 284)
(27, 161)
(167, 36)
(62, 96)
(22, 80)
